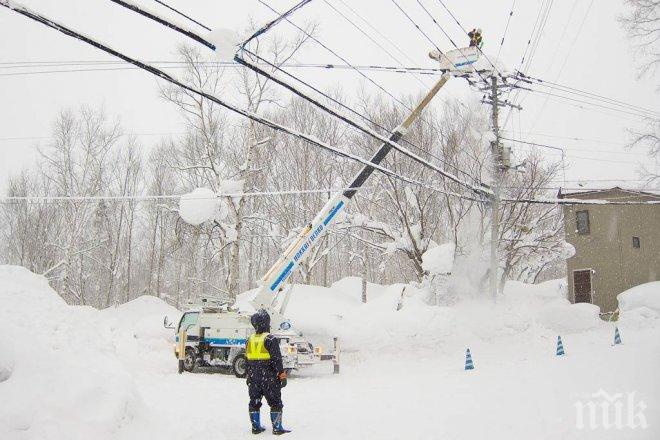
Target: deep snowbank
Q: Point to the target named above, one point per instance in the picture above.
(57, 361)
(644, 295)
(524, 311)
(640, 306)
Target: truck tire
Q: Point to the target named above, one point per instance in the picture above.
(239, 365)
(190, 361)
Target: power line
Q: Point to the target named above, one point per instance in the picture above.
(577, 35)
(465, 30)
(585, 150)
(365, 130)
(539, 35)
(178, 196)
(293, 89)
(158, 19)
(524, 55)
(586, 94)
(531, 37)
(29, 138)
(506, 29)
(364, 116)
(183, 15)
(593, 159)
(279, 18)
(582, 101)
(363, 32)
(382, 35)
(264, 29)
(268, 123)
(574, 138)
(380, 87)
(417, 26)
(450, 39)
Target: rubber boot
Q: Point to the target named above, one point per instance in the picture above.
(255, 418)
(276, 419)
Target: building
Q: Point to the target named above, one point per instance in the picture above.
(616, 246)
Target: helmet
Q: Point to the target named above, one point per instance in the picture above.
(479, 30)
(261, 321)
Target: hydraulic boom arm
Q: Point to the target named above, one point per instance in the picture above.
(298, 250)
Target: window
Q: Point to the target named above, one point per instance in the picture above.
(636, 243)
(187, 320)
(583, 222)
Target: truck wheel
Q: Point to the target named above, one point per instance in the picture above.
(189, 362)
(239, 366)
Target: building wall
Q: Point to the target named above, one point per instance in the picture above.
(608, 248)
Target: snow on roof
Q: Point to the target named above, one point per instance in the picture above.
(592, 190)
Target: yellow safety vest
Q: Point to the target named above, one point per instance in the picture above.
(256, 348)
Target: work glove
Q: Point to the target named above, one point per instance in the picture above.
(282, 378)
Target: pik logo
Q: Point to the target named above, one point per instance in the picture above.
(602, 410)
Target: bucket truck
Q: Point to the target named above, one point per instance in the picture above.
(216, 335)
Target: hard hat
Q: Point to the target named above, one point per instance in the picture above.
(478, 30)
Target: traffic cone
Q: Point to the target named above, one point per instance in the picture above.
(560, 347)
(617, 336)
(469, 365)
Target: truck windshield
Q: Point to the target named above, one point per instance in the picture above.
(187, 320)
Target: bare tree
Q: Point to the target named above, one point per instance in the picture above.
(642, 23)
(531, 236)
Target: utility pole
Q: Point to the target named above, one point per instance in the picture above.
(496, 151)
(501, 163)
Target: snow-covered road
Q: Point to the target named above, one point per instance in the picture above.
(526, 394)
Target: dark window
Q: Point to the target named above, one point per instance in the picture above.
(636, 243)
(582, 285)
(583, 222)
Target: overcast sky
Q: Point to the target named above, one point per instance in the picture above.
(595, 57)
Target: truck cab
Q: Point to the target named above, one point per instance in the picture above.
(216, 337)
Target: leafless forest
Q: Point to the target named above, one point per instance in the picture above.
(124, 241)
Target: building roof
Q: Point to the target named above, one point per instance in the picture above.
(614, 193)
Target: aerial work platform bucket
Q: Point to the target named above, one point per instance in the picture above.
(457, 60)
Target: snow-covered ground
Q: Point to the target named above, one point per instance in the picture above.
(78, 373)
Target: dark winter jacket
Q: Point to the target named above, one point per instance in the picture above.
(272, 367)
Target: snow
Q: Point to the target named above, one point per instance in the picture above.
(567, 251)
(644, 295)
(440, 259)
(198, 206)
(78, 373)
(233, 188)
(640, 306)
(226, 43)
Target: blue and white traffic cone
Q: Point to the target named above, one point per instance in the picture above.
(560, 347)
(617, 336)
(469, 365)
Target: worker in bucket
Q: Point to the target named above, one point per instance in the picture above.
(265, 373)
(475, 38)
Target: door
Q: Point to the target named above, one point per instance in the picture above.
(582, 285)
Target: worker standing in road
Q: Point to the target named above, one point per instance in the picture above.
(265, 373)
